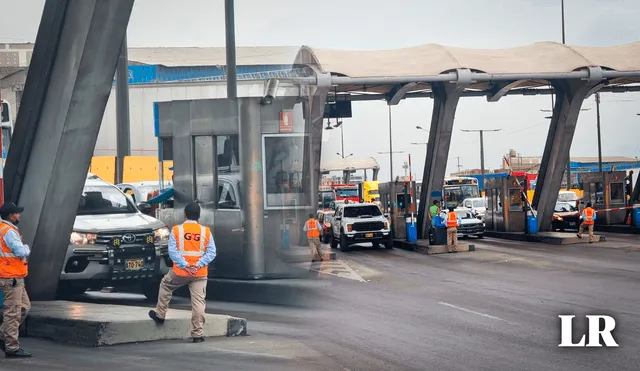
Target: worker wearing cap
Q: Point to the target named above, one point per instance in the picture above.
(589, 217)
(13, 270)
(191, 248)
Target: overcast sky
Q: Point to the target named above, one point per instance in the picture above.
(374, 24)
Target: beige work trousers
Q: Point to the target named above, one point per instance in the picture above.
(16, 309)
(315, 247)
(452, 238)
(198, 290)
(581, 230)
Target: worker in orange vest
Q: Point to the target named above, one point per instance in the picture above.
(13, 270)
(589, 217)
(313, 229)
(453, 221)
(191, 248)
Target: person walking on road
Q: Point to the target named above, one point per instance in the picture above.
(313, 229)
(191, 248)
(453, 221)
(13, 270)
(589, 217)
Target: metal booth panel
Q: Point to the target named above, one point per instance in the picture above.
(605, 191)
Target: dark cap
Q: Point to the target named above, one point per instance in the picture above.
(10, 208)
(192, 210)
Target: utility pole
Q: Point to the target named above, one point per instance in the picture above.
(481, 131)
(230, 32)
(459, 166)
(599, 137)
(123, 127)
(390, 148)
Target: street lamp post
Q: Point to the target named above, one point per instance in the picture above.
(390, 148)
(481, 148)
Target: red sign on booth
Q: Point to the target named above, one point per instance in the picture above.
(286, 121)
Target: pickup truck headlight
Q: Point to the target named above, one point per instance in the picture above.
(161, 235)
(78, 238)
(386, 225)
(349, 228)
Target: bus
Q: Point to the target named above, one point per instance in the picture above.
(7, 127)
(456, 190)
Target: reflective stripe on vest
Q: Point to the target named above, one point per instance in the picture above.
(452, 219)
(191, 242)
(11, 266)
(312, 229)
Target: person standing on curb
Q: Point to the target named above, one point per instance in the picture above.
(453, 221)
(13, 270)
(313, 229)
(589, 216)
(191, 248)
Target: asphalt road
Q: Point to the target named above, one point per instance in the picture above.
(493, 309)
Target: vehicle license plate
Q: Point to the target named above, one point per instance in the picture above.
(134, 264)
(368, 235)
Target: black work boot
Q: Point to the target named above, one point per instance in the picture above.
(198, 339)
(154, 316)
(20, 353)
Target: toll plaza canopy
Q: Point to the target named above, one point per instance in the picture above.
(349, 164)
(446, 74)
(531, 65)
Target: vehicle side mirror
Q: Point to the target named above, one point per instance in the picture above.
(338, 218)
(145, 208)
(386, 216)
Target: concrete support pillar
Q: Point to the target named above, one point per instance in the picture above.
(445, 102)
(68, 85)
(252, 186)
(570, 94)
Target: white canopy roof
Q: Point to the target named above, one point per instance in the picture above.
(341, 164)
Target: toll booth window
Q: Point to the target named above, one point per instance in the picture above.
(226, 196)
(228, 153)
(617, 192)
(515, 199)
(104, 200)
(286, 180)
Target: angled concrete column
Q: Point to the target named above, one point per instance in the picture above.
(68, 85)
(570, 94)
(445, 102)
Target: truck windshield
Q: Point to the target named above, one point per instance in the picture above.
(104, 200)
(358, 211)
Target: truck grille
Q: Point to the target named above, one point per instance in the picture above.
(367, 226)
(105, 238)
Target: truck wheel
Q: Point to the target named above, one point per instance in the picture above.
(151, 288)
(389, 244)
(334, 242)
(344, 245)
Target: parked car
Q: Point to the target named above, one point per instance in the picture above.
(140, 191)
(470, 225)
(360, 222)
(324, 218)
(565, 215)
(570, 197)
(113, 244)
(477, 205)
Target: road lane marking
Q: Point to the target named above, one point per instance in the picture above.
(471, 311)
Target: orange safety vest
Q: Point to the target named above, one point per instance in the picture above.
(11, 266)
(452, 219)
(191, 239)
(589, 213)
(312, 229)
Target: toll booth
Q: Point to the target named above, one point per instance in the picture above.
(249, 165)
(506, 203)
(396, 201)
(605, 190)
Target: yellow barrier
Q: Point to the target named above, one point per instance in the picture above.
(144, 168)
(104, 167)
(136, 168)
